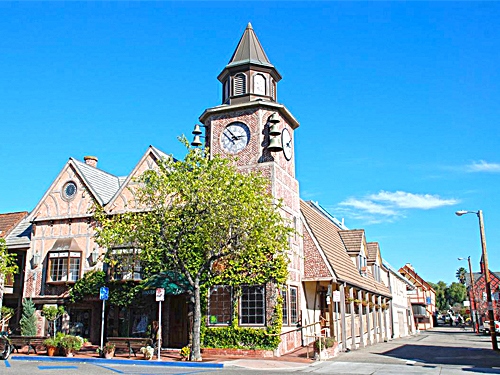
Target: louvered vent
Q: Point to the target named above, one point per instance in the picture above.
(240, 84)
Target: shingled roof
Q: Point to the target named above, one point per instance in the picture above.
(328, 237)
(372, 251)
(353, 240)
(8, 221)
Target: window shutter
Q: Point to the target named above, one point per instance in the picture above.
(240, 84)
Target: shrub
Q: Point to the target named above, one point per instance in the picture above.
(326, 342)
(71, 343)
(28, 319)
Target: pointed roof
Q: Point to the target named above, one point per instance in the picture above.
(249, 50)
(373, 252)
(103, 184)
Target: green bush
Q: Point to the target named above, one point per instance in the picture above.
(239, 338)
(28, 319)
(326, 342)
(71, 343)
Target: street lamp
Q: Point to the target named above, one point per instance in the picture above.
(472, 298)
(486, 275)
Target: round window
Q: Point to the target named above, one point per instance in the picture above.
(69, 190)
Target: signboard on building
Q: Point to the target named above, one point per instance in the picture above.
(336, 296)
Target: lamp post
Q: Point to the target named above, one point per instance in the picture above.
(472, 299)
(486, 275)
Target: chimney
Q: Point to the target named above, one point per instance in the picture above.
(91, 160)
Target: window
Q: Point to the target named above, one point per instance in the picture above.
(284, 296)
(126, 265)
(259, 84)
(219, 304)
(294, 305)
(240, 84)
(376, 272)
(64, 266)
(226, 90)
(252, 305)
(9, 280)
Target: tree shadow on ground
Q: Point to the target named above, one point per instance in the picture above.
(441, 355)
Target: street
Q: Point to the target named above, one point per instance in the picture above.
(443, 350)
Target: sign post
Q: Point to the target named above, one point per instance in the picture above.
(103, 295)
(336, 299)
(160, 296)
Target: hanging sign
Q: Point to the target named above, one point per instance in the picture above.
(160, 294)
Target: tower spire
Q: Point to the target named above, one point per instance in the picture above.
(249, 75)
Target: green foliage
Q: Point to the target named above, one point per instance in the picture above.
(205, 220)
(71, 343)
(185, 352)
(88, 285)
(121, 293)
(6, 311)
(442, 304)
(28, 318)
(7, 260)
(456, 293)
(449, 295)
(52, 312)
(460, 275)
(52, 341)
(326, 342)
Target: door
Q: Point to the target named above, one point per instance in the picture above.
(178, 322)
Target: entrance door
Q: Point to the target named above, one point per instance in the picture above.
(178, 322)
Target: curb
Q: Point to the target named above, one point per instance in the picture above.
(103, 361)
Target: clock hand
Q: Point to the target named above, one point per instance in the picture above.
(228, 137)
(230, 132)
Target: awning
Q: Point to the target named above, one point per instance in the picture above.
(173, 282)
(65, 244)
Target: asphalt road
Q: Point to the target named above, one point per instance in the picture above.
(441, 351)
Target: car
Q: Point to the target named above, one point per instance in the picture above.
(485, 327)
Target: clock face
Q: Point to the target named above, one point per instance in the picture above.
(286, 142)
(235, 137)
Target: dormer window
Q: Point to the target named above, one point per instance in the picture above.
(376, 272)
(240, 84)
(361, 264)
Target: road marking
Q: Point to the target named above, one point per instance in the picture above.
(110, 368)
(7, 363)
(57, 367)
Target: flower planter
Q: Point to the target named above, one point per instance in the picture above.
(109, 355)
(52, 350)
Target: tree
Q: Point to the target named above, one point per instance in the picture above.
(461, 272)
(206, 221)
(28, 318)
(440, 288)
(8, 266)
(52, 313)
(456, 293)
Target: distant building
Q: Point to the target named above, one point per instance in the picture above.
(478, 297)
(422, 298)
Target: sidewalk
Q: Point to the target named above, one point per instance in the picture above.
(295, 360)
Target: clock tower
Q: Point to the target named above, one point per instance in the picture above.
(252, 126)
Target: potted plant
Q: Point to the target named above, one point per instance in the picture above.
(52, 345)
(185, 353)
(148, 352)
(326, 347)
(108, 351)
(71, 344)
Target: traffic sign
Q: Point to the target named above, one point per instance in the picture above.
(104, 293)
(160, 294)
(336, 296)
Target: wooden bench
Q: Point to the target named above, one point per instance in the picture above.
(18, 342)
(131, 344)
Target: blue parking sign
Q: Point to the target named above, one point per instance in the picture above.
(104, 293)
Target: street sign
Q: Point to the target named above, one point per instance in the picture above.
(336, 296)
(428, 300)
(104, 293)
(160, 294)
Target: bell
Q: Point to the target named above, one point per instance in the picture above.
(275, 145)
(273, 130)
(274, 119)
(197, 130)
(196, 141)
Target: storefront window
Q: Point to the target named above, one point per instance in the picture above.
(219, 305)
(252, 305)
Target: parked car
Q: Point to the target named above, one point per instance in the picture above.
(485, 327)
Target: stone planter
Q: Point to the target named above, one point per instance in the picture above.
(109, 355)
(327, 353)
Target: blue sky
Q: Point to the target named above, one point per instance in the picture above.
(398, 104)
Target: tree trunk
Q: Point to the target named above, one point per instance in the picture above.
(196, 349)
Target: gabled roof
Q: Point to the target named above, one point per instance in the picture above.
(373, 253)
(249, 50)
(328, 237)
(8, 222)
(103, 184)
(353, 240)
(408, 272)
(392, 270)
(20, 236)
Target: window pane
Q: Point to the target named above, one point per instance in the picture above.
(219, 305)
(293, 305)
(252, 305)
(285, 306)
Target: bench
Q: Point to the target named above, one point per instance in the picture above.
(18, 342)
(131, 344)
